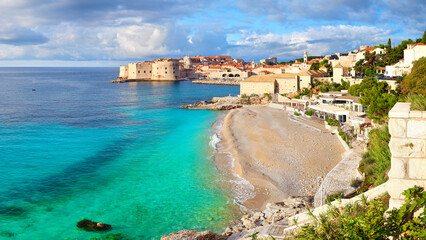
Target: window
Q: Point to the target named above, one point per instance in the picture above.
(165, 68)
(139, 71)
(166, 72)
(149, 71)
(144, 71)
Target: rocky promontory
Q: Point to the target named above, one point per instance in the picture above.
(228, 103)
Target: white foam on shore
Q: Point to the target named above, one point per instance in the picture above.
(242, 189)
(214, 140)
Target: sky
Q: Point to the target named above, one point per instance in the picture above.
(114, 32)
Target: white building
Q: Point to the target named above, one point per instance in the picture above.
(269, 60)
(412, 53)
(361, 54)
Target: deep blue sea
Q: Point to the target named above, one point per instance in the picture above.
(124, 154)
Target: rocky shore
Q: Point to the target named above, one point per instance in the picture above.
(275, 214)
(228, 103)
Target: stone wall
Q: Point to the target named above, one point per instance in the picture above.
(407, 146)
(258, 88)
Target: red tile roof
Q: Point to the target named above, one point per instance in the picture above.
(368, 49)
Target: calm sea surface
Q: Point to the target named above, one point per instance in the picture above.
(124, 154)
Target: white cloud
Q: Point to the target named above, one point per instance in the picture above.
(141, 41)
(317, 41)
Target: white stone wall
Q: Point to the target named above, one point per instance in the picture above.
(337, 74)
(124, 72)
(258, 88)
(166, 70)
(287, 85)
(407, 146)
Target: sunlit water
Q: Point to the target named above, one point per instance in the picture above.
(80, 147)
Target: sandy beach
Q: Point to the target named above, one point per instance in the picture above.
(279, 157)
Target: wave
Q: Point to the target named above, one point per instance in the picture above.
(242, 189)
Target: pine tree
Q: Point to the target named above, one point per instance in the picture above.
(424, 38)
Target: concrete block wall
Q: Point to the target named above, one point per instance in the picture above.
(408, 149)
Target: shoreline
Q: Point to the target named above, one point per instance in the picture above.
(216, 82)
(263, 146)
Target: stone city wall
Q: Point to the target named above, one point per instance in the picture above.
(407, 146)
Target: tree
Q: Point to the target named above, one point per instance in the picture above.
(374, 95)
(379, 103)
(315, 66)
(415, 82)
(424, 38)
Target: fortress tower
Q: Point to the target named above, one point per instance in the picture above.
(305, 56)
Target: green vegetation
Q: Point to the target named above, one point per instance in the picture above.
(390, 56)
(299, 60)
(332, 197)
(268, 95)
(415, 82)
(376, 96)
(327, 87)
(356, 183)
(418, 102)
(309, 112)
(244, 95)
(296, 114)
(345, 137)
(332, 122)
(254, 95)
(375, 161)
(366, 220)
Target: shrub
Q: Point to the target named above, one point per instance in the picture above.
(269, 96)
(332, 197)
(332, 122)
(344, 136)
(296, 113)
(254, 95)
(244, 95)
(309, 112)
(418, 102)
(366, 220)
(356, 183)
(375, 162)
(415, 82)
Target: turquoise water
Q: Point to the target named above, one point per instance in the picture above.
(80, 147)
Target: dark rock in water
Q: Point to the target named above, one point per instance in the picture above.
(193, 235)
(7, 234)
(93, 226)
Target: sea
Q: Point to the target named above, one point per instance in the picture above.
(74, 146)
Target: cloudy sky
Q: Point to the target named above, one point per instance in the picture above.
(112, 32)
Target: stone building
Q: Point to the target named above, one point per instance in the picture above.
(162, 69)
(268, 60)
(124, 72)
(279, 83)
(140, 70)
(168, 69)
(338, 73)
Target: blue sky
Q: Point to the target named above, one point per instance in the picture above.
(113, 32)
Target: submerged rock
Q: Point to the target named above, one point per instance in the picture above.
(93, 226)
(193, 235)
